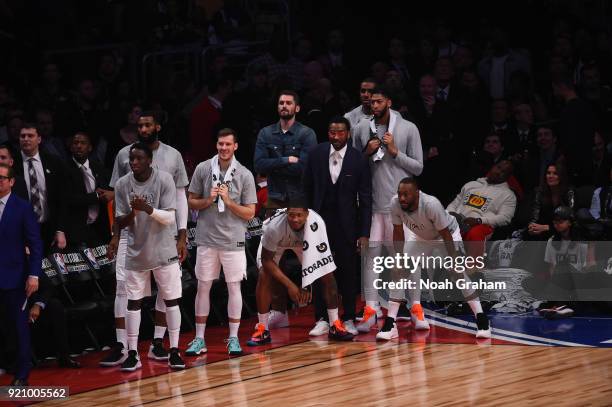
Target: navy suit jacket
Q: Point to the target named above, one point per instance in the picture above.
(355, 189)
(19, 228)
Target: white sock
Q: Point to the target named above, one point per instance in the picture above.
(200, 330)
(263, 319)
(373, 304)
(132, 320)
(160, 331)
(475, 305)
(173, 318)
(233, 329)
(416, 302)
(392, 309)
(332, 314)
(121, 336)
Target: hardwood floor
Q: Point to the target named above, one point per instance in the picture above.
(318, 373)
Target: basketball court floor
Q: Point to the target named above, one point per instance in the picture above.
(529, 361)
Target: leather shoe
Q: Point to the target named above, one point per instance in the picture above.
(19, 382)
(69, 363)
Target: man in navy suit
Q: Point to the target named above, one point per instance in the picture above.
(18, 229)
(338, 186)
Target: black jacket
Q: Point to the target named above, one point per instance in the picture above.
(79, 201)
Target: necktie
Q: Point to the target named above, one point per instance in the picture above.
(335, 166)
(442, 94)
(34, 190)
(90, 185)
(1, 209)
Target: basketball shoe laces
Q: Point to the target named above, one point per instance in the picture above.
(417, 310)
(368, 312)
(339, 326)
(259, 331)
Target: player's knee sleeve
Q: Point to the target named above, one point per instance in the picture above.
(202, 301)
(121, 300)
(160, 305)
(234, 302)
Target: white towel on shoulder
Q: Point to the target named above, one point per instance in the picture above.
(216, 177)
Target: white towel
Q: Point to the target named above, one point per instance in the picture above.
(317, 259)
(216, 177)
(392, 119)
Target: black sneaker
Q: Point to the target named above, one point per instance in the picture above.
(337, 332)
(483, 327)
(403, 314)
(117, 356)
(174, 360)
(157, 351)
(132, 362)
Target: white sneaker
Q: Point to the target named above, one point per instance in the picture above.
(278, 319)
(388, 331)
(418, 318)
(320, 328)
(349, 325)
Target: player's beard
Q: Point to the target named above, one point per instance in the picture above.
(382, 113)
(149, 140)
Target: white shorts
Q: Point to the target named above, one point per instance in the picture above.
(168, 279)
(121, 254)
(209, 262)
(279, 254)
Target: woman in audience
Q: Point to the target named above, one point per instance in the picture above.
(554, 191)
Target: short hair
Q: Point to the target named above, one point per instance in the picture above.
(298, 201)
(155, 114)
(142, 147)
(84, 134)
(409, 180)
(369, 79)
(340, 119)
(29, 125)
(227, 132)
(8, 148)
(381, 90)
(10, 171)
(289, 92)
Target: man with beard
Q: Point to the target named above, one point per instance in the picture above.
(393, 146)
(281, 151)
(363, 111)
(484, 204)
(287, 230)
(222, 190)
(429, 222)
(167, 159)
(144, 206)
(338, 186)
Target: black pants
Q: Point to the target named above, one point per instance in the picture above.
(345, 257)
(51, 329)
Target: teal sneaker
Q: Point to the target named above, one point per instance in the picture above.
(233, 346)
(196, 347)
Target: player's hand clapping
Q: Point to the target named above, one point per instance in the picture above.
(139, 203)
(298, 295)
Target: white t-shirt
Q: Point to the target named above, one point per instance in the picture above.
(429, 218)
(278, 235)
